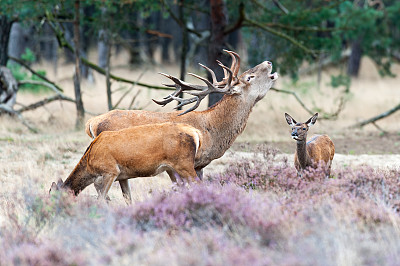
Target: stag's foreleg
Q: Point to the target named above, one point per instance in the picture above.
(200, 173)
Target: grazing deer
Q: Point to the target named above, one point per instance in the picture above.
(140, 151)
(219, 125)
(318, 149)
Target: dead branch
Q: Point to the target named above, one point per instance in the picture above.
(10, 111)
(296, 97)
(324, 116)
(378, 117)
(64, 44)
(22, 63)
(249, 22)
(128, 91)
(44, 102)
(41, 83)
(280, 6)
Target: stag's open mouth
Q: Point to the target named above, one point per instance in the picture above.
(274, 76)
(295, 138)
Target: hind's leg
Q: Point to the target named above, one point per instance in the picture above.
(126, 191)
(98, 184)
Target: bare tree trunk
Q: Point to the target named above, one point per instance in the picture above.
(16, 44)
(102, 48)
(5, 28)
(8, 88)
(77, 77)
(201, 22)
(185, 43)
(166, 25)
(218, 23)
(353, 67)
(108, 81)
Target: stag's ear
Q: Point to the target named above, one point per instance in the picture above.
(290, 120)
(312, 120)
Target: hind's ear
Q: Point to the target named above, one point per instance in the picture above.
(312, 120)
(59, 182)
(53, 187)
(290, 120)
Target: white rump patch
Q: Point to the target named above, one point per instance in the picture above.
(197, 140)
(91, 130)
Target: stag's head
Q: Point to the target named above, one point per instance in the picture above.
(256, 82)
(252, 84)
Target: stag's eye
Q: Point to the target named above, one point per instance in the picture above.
(304, 128)
(249, 78)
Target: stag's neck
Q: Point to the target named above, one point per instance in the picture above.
(227, 119)
(302, 154)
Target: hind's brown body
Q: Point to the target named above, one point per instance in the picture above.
(137, 152)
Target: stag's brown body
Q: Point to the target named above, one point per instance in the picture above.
(137, 152)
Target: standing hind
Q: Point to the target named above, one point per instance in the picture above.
(319, 149)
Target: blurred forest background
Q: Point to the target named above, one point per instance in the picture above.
(104, 42)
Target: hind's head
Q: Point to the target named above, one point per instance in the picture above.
(299, 130)
(56, 186)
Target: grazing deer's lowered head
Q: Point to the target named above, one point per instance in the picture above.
(219, 125)
(319, 149)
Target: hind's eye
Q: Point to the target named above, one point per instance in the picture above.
(304, 128)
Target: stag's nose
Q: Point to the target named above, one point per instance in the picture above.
(294, 134)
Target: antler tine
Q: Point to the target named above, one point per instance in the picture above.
(209, 85)
(228, 84)
(183, 102)
(235, 66)
(214, 78)
(225, 74)
(180, 87)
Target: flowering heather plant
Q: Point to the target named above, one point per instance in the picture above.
(46, 253)
(205, 206)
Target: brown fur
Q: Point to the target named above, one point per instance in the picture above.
(136, 152)
(219, 125)
(319, 148)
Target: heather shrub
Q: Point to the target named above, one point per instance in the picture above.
(46, 253)
(206, 206)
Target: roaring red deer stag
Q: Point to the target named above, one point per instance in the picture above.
(319, 148)
(219, 125)
(140, 151)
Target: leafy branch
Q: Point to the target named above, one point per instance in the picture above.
(64, 44)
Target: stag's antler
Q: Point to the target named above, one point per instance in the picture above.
(201, 91)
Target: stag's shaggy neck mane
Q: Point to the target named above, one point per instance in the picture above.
(227, 119)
